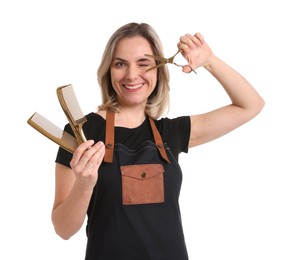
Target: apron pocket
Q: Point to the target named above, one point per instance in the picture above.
(142, 184)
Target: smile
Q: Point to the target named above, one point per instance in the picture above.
(133, 87)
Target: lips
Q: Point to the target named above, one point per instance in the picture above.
(133, 86)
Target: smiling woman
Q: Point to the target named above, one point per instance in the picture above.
(130, 80)
(126, 178)
(158, 102)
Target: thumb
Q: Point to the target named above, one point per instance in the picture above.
(187, 68)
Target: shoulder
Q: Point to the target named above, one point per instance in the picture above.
(175, 132)
(175, 124)
(93, 120)
(94, 127)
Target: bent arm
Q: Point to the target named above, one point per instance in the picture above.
(246, 104)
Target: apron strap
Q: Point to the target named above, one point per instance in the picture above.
(158, 140)
(109, 141)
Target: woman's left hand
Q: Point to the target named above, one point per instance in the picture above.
(195, 50)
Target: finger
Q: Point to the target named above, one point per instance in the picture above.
(96, 159)
(80, 151)
(187, 40)
(192, 40)
(200, 37)
(88, 154)
(91, 168)
(82, 155)
(182, 47)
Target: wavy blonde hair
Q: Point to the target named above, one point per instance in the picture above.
(158, 102)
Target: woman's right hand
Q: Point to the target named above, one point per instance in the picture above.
(85, 163)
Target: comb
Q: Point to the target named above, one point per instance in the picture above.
(53, 132)
(72, 110)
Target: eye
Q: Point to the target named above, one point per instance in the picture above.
(119, 64)
(143, 65)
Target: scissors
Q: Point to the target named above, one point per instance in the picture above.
(164, 61)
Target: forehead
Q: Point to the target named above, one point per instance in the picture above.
(135, 44)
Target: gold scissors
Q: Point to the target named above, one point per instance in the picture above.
(164, 61)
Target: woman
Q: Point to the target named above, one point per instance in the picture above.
(126, 178)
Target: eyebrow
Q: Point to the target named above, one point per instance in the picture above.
(144, 59)
(118, 58)
(139, 60)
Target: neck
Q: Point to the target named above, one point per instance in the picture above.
(130, 118)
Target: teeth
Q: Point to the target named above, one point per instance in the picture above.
(133, 86)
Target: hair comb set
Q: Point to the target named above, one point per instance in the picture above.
(74, 114)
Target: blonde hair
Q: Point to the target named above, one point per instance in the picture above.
(158, 101)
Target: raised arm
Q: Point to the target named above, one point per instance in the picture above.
(246, 103)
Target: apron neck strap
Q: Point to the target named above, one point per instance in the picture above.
(158, 141)
(110, 137)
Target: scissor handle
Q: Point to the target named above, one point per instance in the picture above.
(165, 61)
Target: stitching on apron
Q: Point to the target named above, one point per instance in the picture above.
(109, 141)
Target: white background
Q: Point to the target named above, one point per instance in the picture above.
(238, 193)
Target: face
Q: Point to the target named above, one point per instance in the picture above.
(130, 80)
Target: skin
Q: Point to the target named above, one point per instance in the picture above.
(133, 85)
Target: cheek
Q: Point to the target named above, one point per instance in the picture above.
(154, 80)
(151, 77)
(115, 78)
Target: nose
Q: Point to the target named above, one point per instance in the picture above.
(132, 71)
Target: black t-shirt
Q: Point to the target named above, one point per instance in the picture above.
(152, 231)
(174, 132)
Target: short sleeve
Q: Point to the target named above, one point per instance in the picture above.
(64, 157)
(175, 133)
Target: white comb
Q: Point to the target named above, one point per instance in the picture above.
(53, 132)
(72, 110)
